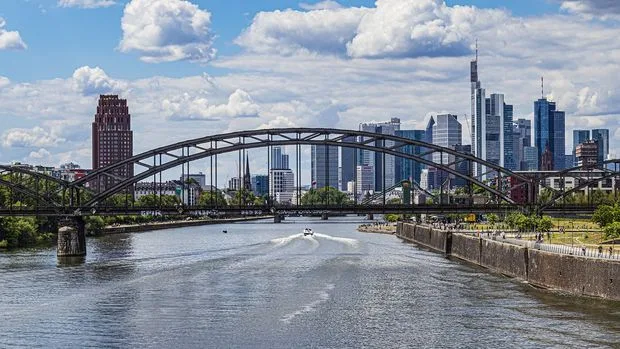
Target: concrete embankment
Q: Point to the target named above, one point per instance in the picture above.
(576, 275)
(136, 228)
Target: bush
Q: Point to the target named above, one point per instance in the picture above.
(612, 231)
(4, 244)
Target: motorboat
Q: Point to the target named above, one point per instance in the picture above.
(308, 232)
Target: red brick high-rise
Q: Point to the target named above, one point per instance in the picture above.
(112, 139)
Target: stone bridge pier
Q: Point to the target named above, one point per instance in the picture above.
(72, 239)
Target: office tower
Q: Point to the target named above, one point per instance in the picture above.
(447, 132)
(365, 180)
(587, 153)
(462, 166)
(112, 140)
(601, 136)
(549, 132)
(281, 185)
(347, 164)
(522, 132)
(260, 185)
(579, 136)
(530, 159)
(279, 160)
(407, 169)
(478, 115)
(380, 164)
(507, 139)
(493, 124)
(200, 179)
(324, 166)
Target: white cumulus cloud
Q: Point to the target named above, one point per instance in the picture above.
(167, 30)
(393, 28)
(604, 9)
(288, 32)
(10, 40)
(185, 107)
(34, 137)
(40, 154)
(86, 3)
(4, 81)
(322, 5)
(93, 81)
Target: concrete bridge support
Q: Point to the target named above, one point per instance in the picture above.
(370, 217)
(72, 239)
(324, 216)
(278, 218)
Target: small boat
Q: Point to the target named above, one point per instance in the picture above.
(308, 232)
(225, 231)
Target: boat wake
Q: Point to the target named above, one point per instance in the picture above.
(323, 296)
(346, 241)
(314, 239)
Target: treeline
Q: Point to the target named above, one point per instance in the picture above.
(608, 218)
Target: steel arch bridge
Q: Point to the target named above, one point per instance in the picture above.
(56, 196)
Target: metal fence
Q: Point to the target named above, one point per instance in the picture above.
(604, 253)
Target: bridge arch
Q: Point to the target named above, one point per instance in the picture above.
(231, 142)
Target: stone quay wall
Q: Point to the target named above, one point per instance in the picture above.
(576, 275)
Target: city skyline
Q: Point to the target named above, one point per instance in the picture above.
(192, 96)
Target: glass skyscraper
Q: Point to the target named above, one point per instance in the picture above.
(408, 169)
(601, 136)
(549, 130)
(324, 164)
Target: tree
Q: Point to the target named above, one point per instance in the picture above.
(392, 218)
(605, 215)
(324, 196)
(245, 197)
(544, 224)
(153, 200)
(212, 198)
(492, 218)
(612, 231)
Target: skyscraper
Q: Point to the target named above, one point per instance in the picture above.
(376, 160)
(601, 136)
(493, 151)
(522, 133)
(347, 164)
(447, 133)
(549, 132)
(409, 169)
(279, 160)
(507, 139)
(324, 166)
(112, 139)
(478, 115)
(579, 136)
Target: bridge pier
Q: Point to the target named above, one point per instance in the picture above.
(72, 240)
(324, 216)
(370, 217)
(278, 218)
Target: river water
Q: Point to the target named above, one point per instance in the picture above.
(264, 285)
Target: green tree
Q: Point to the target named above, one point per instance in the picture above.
(153, 200)
(493, 219)
(544, 224)
(245, 197)
(605, 215)
(212, 198)
(324, 196)
(612, 231)
(392, 218)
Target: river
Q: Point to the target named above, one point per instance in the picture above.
(264, 285)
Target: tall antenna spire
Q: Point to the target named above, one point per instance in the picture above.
(476, 50)
(542, 87)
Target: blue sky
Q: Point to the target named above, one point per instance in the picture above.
(291, 63)
(60, 39)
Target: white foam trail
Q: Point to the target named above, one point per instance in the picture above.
(286, 240)
(314, 241)
(346, 241)
(323, 296)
